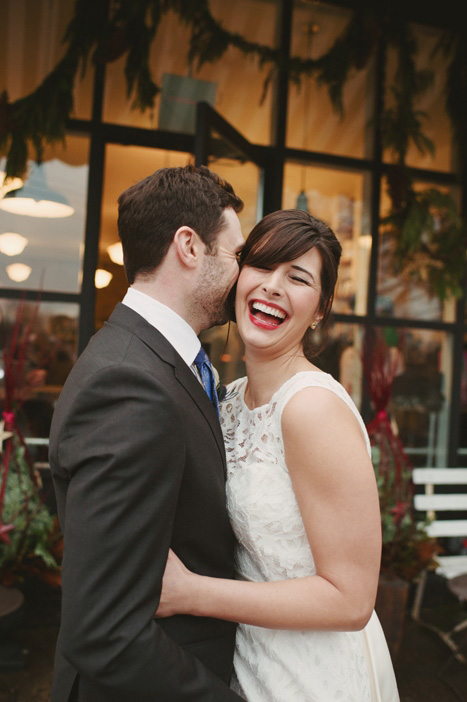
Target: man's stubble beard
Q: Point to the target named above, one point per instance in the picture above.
(210, 297)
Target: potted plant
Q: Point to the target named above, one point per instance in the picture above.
(30, 541)
(407, 548)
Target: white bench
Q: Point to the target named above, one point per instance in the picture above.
(430, 503)
(449, 566)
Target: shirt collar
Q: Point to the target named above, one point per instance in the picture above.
(177, 332)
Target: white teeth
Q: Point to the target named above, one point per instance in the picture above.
(261, 307)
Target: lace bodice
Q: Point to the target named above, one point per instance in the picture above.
(288, 666)
(260, 497)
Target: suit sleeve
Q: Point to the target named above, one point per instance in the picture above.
(122, 445)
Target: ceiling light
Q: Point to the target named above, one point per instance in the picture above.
(115, 252)
(12, 244)
(36, 199)
(102, 278)
(18, 272)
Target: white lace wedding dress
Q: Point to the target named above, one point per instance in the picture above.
(280, 665)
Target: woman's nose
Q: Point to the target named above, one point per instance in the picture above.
(272, 284)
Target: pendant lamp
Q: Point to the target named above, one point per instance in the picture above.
(36, 198)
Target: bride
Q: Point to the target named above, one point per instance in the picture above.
(301, 492)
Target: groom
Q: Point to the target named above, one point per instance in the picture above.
(137, 457)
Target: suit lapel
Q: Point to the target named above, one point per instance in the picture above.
(149, 335)
(192, 385)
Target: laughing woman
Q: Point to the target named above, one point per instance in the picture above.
(301, 492)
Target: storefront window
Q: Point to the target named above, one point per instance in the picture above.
(341, 357)
(245, 177)
(313, 124)
(404, 290)
(430, 106)
(233, 85)
(40, 248)
(124, 166)
(421, 395)
(46, 335)
(421, 392)
(463, 413)
(31, 45)
(341, 199)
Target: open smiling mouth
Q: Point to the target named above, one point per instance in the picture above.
(265, 315)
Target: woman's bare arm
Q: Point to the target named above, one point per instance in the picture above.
(336, 491)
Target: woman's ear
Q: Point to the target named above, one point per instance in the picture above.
(188, 246)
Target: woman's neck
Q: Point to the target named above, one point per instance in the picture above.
(267, 374)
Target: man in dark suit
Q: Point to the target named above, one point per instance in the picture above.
(137, 457)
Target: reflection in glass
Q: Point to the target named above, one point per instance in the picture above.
(435, 123)
(463, 412)
(421, 391)
(244, 176)
(398, 293)
(341, 199)
(31, 45)
(124, 166)
(53, 247)
(341, 357)
(48, 333)
(234, 83)
(312, 122)
(226, 351)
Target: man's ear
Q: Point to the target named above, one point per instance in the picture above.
(187, 246)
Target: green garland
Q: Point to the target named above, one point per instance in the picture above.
(99, 34)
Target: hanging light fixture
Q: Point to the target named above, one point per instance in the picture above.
(12, 244)
(102, 278)
(115, 252)
(19, 272)
(36, 199)
(9, 184)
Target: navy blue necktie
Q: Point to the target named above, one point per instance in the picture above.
(203, 364)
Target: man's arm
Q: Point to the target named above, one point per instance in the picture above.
(123, 446)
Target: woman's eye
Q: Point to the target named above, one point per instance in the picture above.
(300, 280)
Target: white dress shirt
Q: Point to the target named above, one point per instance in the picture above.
(177, 332)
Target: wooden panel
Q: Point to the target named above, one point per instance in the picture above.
(441, 502)
(440, 476)
(448, 527)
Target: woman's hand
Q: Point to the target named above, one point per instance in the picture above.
(178, 588)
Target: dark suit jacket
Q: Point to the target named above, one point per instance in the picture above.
(138, 464)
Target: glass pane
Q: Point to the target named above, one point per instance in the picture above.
(436, 124)
(312, 122)
(341, 358)
(421, 395)
(399, 293)
(48, 337)
(233, 84)
(244, 176)
(463, 416)
(341, 199)
(31, 36)
(421, 392)
(226, 351)
(124, 166)
(47, 249)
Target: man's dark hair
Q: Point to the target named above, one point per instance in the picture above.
(151, 211)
